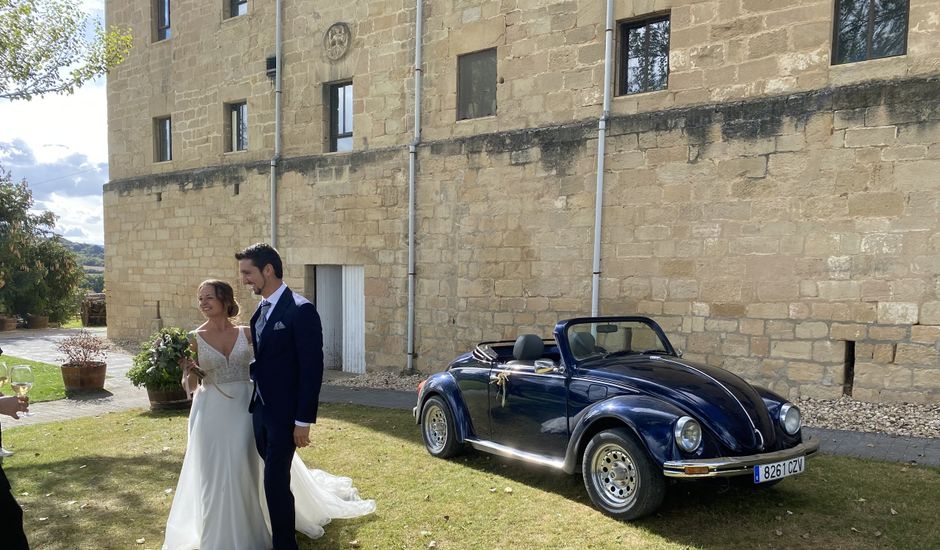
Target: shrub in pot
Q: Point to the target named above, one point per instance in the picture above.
(84, 367)
(157, 368)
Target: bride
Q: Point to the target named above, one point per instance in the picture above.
(219, 501)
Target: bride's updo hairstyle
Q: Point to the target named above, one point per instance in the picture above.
(224, 294)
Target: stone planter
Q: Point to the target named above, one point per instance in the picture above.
(37, 321)
(84, 376)
(161, 400)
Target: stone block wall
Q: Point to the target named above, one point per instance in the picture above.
(778, 215)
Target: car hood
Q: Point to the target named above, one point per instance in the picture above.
(726, 406)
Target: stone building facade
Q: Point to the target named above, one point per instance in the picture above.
(775, 212)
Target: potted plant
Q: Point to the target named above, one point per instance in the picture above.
(157, 368)
(84, 367)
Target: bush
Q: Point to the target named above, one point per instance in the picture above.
(83, 348)
(157, 366)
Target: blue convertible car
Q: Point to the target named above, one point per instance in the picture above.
(612, 397)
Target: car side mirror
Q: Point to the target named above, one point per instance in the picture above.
(545, 366)
(679, 352)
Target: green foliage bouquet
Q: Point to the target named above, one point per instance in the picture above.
(157, 366)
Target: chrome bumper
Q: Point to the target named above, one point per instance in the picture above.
(736, 465)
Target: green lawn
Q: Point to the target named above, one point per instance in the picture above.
(74, 322)
(102, 483)
(48, 385)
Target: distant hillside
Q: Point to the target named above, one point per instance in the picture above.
(88, 254)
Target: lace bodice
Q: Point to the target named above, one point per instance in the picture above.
(218, 368)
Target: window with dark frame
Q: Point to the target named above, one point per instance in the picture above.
(644, 55)
(162, 139)
(161, 12)
(869, 29)
(341, 117)
(476, 84)
(237, 7)
(236, 126)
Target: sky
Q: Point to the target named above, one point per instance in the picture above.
(59, 144)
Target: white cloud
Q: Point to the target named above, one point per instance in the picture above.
(60, 145)
(56, 126)
(79, 218)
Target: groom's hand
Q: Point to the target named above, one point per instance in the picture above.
(301, 436)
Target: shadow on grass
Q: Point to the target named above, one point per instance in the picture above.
(838, 502)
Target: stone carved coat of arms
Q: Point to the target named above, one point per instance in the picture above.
(336, 41)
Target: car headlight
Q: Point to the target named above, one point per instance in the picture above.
(688, 434)
(790, 418)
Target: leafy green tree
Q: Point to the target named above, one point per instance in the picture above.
(44, 48)
(38, 274)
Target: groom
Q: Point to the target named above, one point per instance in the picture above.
(287, 372)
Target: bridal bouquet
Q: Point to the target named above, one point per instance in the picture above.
(157, 366)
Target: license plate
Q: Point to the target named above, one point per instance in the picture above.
(777, 470)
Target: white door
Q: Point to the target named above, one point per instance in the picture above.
(340, 300)
(329, 302)
(354, 319)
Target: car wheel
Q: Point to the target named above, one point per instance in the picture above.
(620, 477)
(437, 427)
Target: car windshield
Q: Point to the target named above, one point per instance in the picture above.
(591, 340)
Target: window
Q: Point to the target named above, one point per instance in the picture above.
(869, 29)
(161, 16)
(476, 84)
(341, 117)
(236, 126)
(162, 140)
(644, 55)
(237, 7)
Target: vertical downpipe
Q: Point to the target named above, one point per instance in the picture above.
(278, 25)
(412, 167)
(601, 148)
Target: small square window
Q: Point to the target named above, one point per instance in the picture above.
(869, 29)
(341, 117)
(161, 20)
(162, 139)
(476, 84)
(236, 126)
(644, 56)
(237, 7)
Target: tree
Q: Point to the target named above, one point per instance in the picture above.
(38, 274)
(44, 48)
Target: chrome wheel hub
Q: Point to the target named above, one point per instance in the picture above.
(614, 475)
(435, 428)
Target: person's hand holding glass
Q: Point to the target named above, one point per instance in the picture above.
(4, 375)
(21, 380)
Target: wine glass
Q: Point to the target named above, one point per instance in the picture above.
(4, 375)
(21, 380)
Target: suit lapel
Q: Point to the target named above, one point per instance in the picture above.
(287, 297)
(251, 324)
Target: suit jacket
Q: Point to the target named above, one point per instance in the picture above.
(288, 365)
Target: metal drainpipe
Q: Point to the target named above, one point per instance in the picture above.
(412, 167)
(601, 148)
(278, 25)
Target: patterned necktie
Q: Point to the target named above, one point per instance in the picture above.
(262, 319)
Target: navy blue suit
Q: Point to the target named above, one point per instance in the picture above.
(287, 372)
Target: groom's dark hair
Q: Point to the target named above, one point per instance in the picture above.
(262, 254)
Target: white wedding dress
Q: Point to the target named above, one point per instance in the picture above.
(219, 501)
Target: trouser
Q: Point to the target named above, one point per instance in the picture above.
(275, 443)
(11, 516)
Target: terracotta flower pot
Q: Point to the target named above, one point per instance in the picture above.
(84, 376)
(168, 399)
(37, 321)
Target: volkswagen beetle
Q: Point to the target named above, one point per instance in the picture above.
(611, 397)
